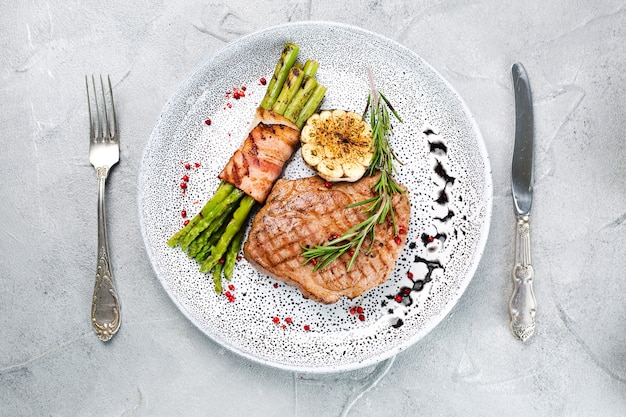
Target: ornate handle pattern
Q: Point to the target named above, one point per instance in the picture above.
(105, 307)
(523, 305)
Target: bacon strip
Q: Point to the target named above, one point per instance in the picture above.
(258, 163)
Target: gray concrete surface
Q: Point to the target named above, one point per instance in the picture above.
(51, 363)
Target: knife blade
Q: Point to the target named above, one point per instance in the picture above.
(522, 305)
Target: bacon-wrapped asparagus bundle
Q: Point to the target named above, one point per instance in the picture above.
(214, 236)
(258, 163)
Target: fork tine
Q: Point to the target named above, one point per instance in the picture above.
(107, 125)
(115, 137)
(99, 136)
(92, 135)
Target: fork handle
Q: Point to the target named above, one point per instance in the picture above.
(523, 305)
(105, 307)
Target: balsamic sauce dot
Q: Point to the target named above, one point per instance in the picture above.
(397, 324)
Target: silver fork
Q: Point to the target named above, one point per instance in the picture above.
(104, 152)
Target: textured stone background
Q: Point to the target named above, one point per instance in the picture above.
(51, 363)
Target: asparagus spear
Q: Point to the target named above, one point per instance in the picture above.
(311, 105)
(302, 96)
(217, 278)
(214, 236)
(232, 198)
(239, 217)
(290, 88)
(292, 85)
(222, 191)
(232, 253)
(287, 59)
(205, 237)
(205, 251)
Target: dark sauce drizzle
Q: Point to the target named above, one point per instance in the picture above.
(405, 294)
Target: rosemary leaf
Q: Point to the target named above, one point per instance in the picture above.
(378, 208)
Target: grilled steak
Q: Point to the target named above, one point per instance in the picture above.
(259, 161)
(305, 212)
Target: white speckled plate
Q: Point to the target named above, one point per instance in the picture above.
(446, 169)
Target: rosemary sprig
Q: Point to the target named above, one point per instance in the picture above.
(379, 207)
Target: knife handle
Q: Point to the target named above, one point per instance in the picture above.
(523, 305)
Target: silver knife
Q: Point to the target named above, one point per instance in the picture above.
(523, 305)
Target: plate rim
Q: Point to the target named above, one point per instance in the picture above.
(472, 266)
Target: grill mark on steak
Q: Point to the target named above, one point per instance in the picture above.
(305, 212)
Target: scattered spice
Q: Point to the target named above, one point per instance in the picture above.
(184, 185)
(358, 311)
(237, 94)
